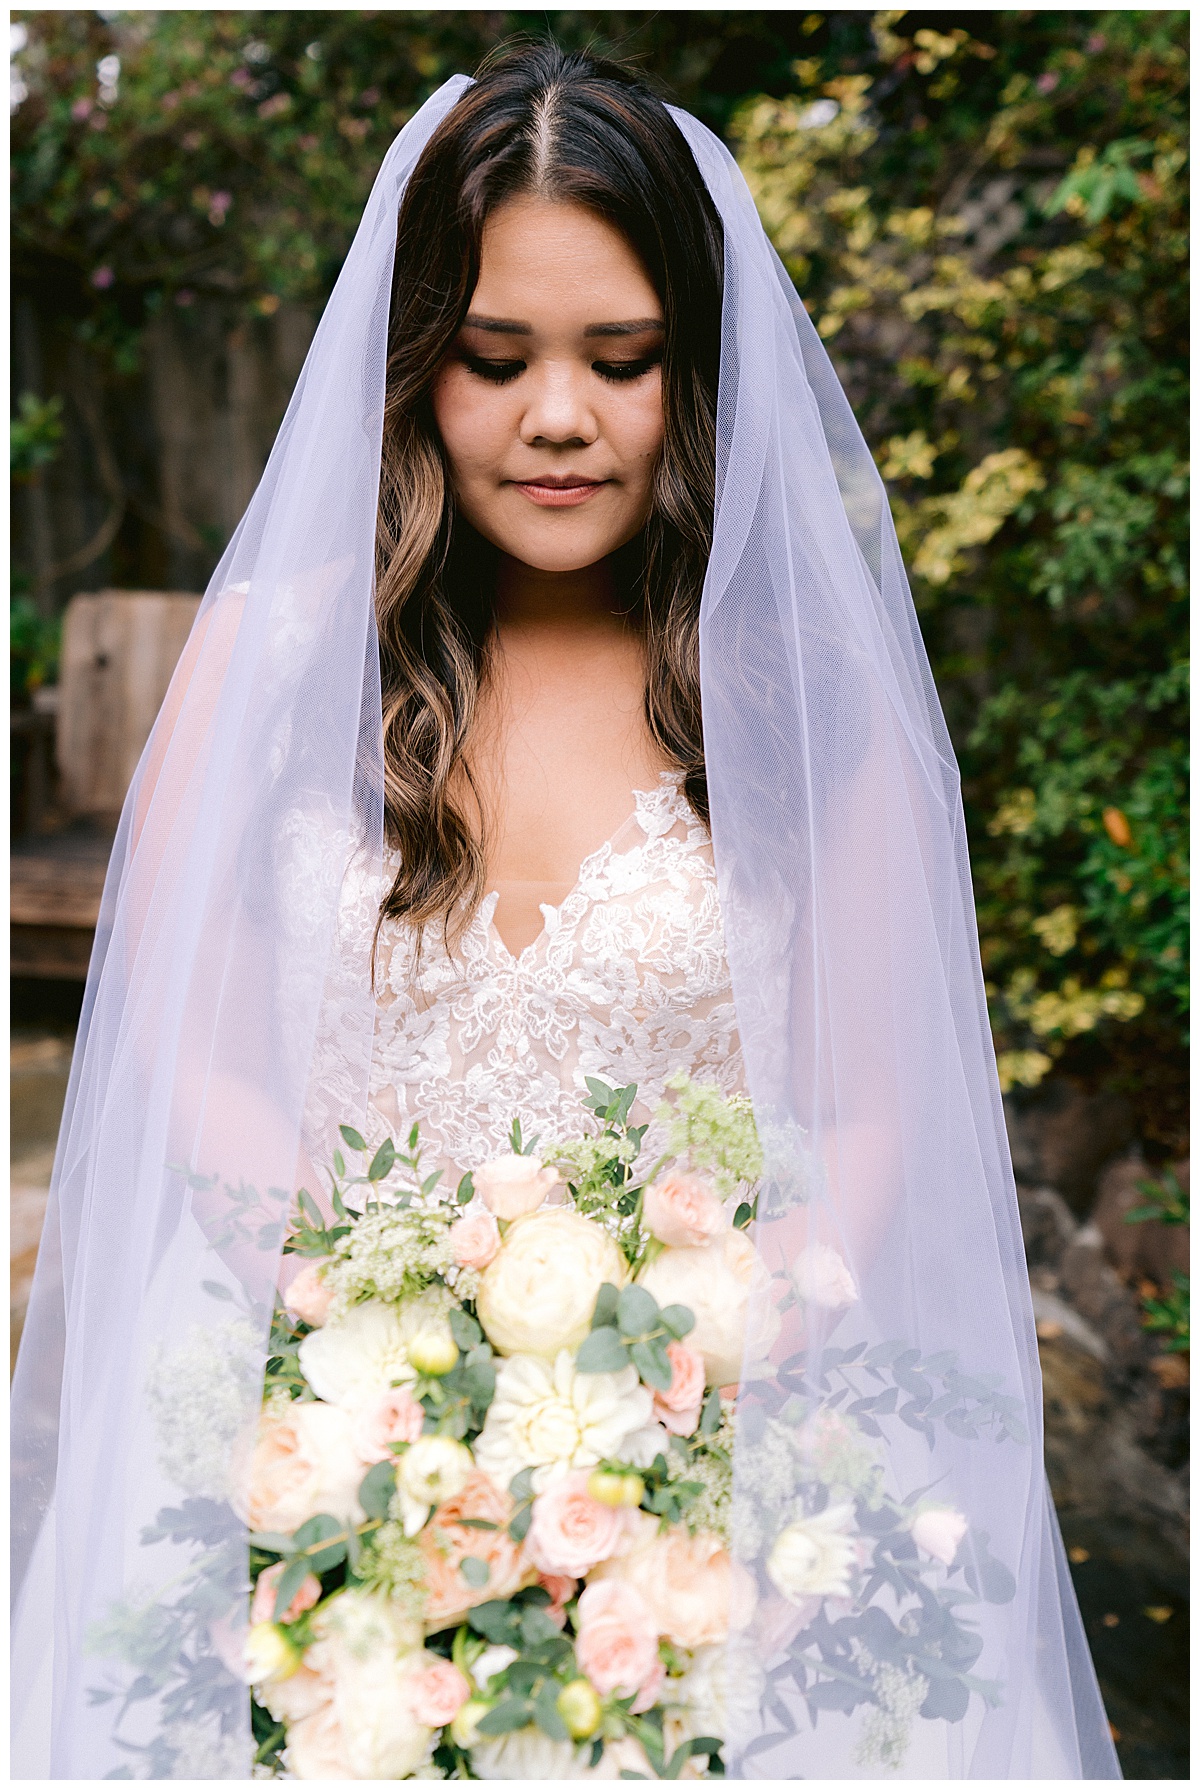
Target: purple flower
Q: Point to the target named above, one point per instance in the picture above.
(81, 108)
(103, 278)
(1046, 83)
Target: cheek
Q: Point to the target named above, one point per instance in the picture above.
(472, 420)
(639, 427)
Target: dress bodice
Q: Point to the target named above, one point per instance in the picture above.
(627, 981)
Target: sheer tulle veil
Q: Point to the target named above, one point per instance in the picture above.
(887, 1218)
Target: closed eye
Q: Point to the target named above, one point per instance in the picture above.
(619, 372)
(496, 372)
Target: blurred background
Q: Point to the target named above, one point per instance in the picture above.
(988, 226)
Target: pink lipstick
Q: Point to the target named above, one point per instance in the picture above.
(559, 492)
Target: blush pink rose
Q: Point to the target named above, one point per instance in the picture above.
(475, 1240)
(939, 1533)
(262, 1606)
(682, 1211)
(571, 1530)
(395, 1416)
(678, 1408)
(436, 1691)
(562, 1590)
(616, 1642)
(513, 1185)
(308, 1298)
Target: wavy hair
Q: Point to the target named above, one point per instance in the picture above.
(565, 126)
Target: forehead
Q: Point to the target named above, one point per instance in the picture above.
(539, 255)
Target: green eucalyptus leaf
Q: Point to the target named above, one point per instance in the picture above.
(652, 1363)
(637, 1311)
(382, 1161)
(678, 1319)
(475, 1571)
(601, 1352)
(355, 1139)
(605, 1313)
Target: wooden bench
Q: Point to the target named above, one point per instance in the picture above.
(118, 652)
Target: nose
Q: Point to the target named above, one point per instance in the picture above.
(558, 411)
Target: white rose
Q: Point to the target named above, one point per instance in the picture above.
(433, 1469)
(546, 1416)
(365, 1652)
(724, 1284)
(538, 1295)
(823, 1279)
(719, 1694)
(814, 1556)
(351, 1360)
(512, 1186)
(939, 1532)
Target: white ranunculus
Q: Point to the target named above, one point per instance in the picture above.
(724, 1284)
(546, 1416)
(433, 1469)
(491, 1661)
(351, 1360)
(538, 1295)
(939, 1532)
(823, 1279)
(815, 1556)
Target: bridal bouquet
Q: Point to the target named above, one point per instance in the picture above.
(489, 1487)
(489, 1493)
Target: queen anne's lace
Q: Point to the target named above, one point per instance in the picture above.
(627, 981)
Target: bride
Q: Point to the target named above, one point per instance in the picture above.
(558, 711)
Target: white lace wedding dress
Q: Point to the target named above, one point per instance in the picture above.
(627, 981)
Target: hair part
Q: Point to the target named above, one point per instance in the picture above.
(570, 127)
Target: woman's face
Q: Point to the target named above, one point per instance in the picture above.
(550, 402)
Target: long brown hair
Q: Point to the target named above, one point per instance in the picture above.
(570, 127)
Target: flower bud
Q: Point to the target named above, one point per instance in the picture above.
(433, 1351)
(270, 1655)
(434, 1468)
(580, 1708)
(464, 1729)
(616, 1489)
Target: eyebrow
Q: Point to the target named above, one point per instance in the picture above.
(504, 326)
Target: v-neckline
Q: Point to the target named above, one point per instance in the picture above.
(551, 910)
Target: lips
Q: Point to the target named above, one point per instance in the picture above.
(559, 492)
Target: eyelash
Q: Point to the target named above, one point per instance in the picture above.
(503, 372)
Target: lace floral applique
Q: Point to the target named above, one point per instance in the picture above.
(627, 981)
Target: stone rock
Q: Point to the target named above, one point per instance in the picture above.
(1061, 1137)
(1047, 1227)
(1101, 1297)
(1147, 1250)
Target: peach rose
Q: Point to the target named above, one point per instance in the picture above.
(303, 1465)
(436, 1690)
(394, 1416)
(308, 1298)
(678, 1408)
(446, 1543)
(682, 1211)
(688, 1583)
(823, 1279)
(475, 1240)
(511, 1186)
(571, 1530)
(262, 1607)
(616, 1642)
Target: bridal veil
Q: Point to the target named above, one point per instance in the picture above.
(887, 1212)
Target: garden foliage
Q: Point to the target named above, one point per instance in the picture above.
(988, 226)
